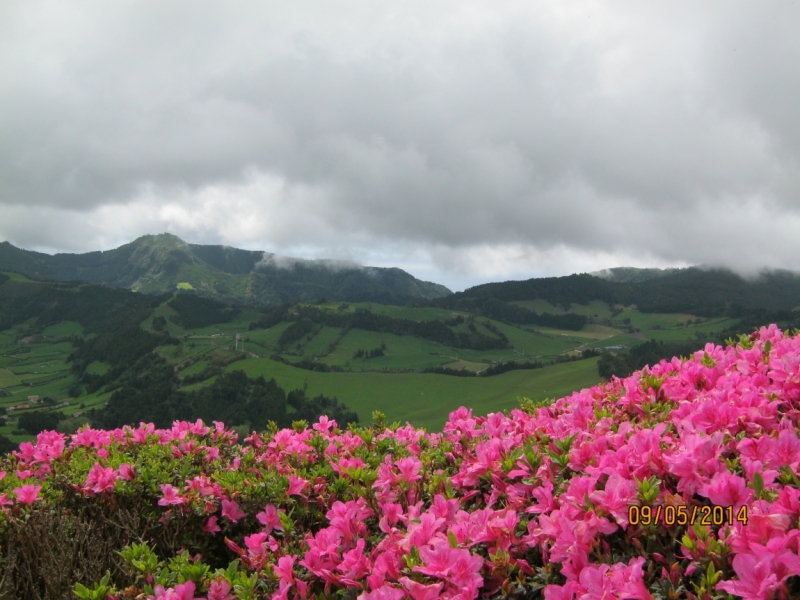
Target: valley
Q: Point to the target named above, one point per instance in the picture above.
(413, 363)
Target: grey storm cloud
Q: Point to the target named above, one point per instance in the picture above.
(481, 139)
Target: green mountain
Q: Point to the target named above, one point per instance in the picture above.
(164, 263)
(703, 292)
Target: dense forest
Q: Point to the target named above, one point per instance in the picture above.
(148, 393)
(701, 292)
(95, 307)
(194, 311)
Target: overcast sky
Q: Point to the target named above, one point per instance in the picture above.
(463, 141)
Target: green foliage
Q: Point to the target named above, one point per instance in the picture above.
(6, 445)
(147, 393)
(374, 353)
(296, 331)
(310, 408)
(194, 311)
(38, 421)
(99, 590)
(648, 353)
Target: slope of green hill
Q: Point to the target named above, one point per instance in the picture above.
(705, 292)
(164, 263)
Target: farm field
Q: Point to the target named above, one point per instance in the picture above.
(426, 399)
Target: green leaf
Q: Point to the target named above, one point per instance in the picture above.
(451, 537)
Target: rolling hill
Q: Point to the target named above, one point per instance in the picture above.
(705, 292)
(163, 263)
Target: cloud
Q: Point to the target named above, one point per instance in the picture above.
(467, 141)
(277, 261)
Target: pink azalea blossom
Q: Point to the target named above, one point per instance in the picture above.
(755, 577)
(171, 496)
(270, 518)
(420, 591)
(296, 485)
(127, 472)
(220, 589)
(28, 493)
(211, 525)
(385, 592)
(231, 511)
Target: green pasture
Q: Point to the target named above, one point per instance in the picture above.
(644, 321)
(268, 337)
(590, 331)
(402, 352)
(539, 306)
(415, 314)
(595, 308)
(239, 325)
(63, 329)
(539, 343)
(322, 341)
(691, 332)
(195, 368)
(9, 378)
(98, 367)
(426, 399)
(16, 276)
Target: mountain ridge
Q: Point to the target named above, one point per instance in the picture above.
(159, 263)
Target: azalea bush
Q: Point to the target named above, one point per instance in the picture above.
(680, 481)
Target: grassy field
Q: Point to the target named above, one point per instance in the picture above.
(426, 399)
(34, 369)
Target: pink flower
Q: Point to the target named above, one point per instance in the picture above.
(127, 472)
(385, 592)
(284, 568)
(185, 591)
(270, 518)
(325, 424)
(171, 496)
(230, 510)
(296, 485)
(100, 479)
(28, 493)
(409, 468)
(727, 489)
(211, 525)
(756, 579)
(419, 591)
(220, 590)
(619, 493)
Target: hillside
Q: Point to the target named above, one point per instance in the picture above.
(157, 264)
(110, 356)
(704, 292)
